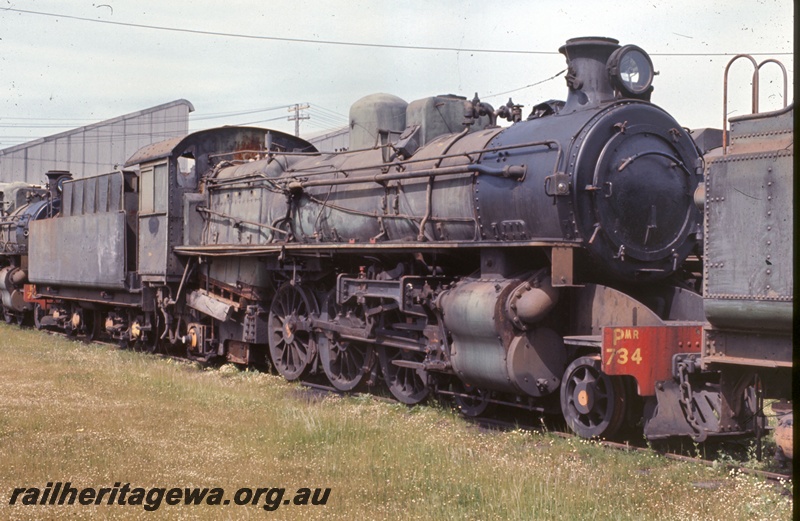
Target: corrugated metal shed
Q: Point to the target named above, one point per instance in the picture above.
(333, 141)
(97, 148)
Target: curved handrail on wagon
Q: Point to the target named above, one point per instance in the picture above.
(755, 92)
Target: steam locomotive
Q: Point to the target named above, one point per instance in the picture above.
(552, 265)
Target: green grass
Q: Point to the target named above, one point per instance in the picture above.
(94, 416)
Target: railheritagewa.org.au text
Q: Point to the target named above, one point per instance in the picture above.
(152, 498)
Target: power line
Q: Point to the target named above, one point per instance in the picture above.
(343, 43)
(68, 123)
(324, 119)
(554, 76)
(321, 116)
(259, 121)
(220, 115)
(273, 38)
(332, 112)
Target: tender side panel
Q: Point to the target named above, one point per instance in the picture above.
(749, 234)
(86, 244)
(749, 239)
(85, 250)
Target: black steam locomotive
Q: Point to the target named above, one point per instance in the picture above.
(552, 265)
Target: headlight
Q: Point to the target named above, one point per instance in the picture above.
(631, 70)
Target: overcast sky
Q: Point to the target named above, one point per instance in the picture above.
(67, 64)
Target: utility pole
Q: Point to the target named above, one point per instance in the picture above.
(297, 117)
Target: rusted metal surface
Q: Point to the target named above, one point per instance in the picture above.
(563, 260)
(172, 169)
(236, 139)
(757, 349)
(645, 352)
(238, 352)
(154, 151)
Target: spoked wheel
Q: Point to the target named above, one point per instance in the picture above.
(471, 401)
(345, 362)
(8, 316)
(290, 346)
(404, 375)
(593, 403)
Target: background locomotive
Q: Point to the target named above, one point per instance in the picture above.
(20, 203)
(552, 265)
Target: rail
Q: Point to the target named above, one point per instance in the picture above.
(755, 91)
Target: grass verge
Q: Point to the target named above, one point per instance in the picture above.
(96, 416)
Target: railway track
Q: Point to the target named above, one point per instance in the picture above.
(498, 424)
(504, 425)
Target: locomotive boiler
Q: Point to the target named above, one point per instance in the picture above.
(607, 170)
(441, 254)
(21, 204)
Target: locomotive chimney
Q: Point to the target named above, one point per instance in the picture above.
(587, 76)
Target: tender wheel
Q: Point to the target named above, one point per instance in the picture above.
(92, 321)
(471, 401)
(151, 341)
(593, 403)
(132, 337)
(290, 345)
(345, 362)
(38, 314)
(73, 321)
(146, 333)
(407, 381)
